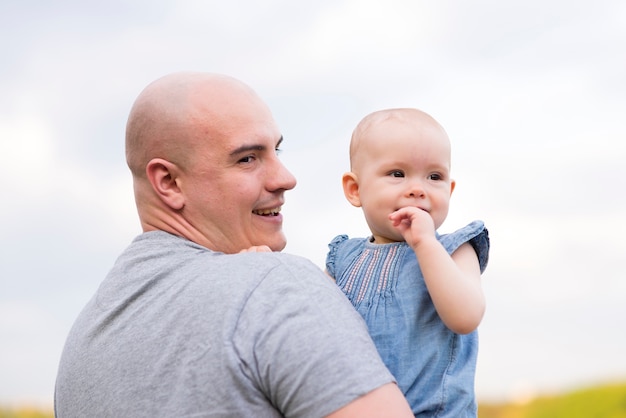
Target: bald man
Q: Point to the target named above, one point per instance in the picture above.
(201, 315)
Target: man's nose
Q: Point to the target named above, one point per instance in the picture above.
(281, 178)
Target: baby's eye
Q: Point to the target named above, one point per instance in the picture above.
(435, 176)
(396, 173)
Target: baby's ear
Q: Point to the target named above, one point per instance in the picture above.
(350, 184)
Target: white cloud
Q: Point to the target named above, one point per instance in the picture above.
(354, 30)
(31, 346)
(28, 150)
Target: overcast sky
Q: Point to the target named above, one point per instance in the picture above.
(532, 94)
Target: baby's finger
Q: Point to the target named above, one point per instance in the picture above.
(257, 249)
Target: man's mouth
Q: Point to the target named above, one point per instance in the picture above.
(267, 212)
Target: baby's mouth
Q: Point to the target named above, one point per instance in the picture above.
(267, 212)
(417, 207)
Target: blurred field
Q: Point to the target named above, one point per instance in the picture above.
(607, 401)
(25, 412)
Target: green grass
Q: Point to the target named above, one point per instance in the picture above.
(608, 401)
(25, 412)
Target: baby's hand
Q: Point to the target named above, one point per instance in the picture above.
(413, 223)
(256, 249)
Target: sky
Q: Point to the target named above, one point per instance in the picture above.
(532, 95)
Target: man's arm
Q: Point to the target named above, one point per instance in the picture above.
(384, 402)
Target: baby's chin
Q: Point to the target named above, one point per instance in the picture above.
(386, 239)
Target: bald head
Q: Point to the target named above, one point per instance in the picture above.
(422, 121)
(202, 151)
(174, 113)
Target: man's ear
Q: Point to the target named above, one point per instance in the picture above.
(163, 176)
(350, 184)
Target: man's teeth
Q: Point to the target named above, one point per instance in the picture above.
(267, 212)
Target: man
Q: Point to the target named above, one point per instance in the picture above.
(195, 319)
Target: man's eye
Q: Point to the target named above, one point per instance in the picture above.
(396, 173)
(247, 159)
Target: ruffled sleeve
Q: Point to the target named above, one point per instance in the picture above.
(476, 234)
(331, 257)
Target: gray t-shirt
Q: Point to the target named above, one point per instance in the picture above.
(177, 330)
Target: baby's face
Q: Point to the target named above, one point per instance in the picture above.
(401, 163)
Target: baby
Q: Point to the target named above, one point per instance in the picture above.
(418, 291)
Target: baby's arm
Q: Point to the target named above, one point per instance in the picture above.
(453, 282)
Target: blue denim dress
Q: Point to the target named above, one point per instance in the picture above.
(434, 366)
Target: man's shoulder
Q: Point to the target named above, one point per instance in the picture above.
(189, 262)
(289, 263)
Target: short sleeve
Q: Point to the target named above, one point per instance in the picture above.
(476, 234)
(303, 344)
(331, 257)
